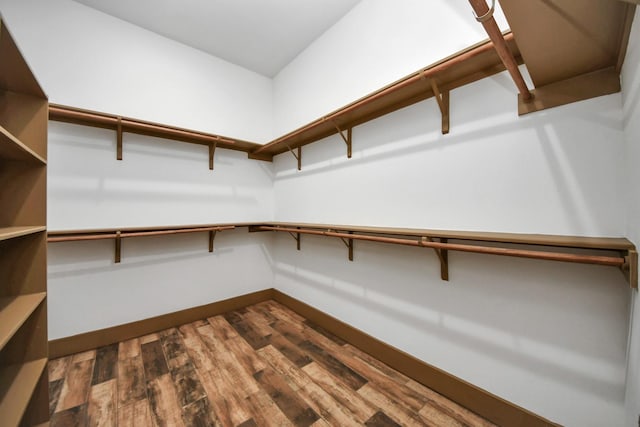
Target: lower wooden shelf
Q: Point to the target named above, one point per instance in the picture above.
(14, 311)
(17, 384)
(13, 232)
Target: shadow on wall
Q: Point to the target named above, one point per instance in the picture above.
(416, 129)
(509, 310)
(157, 179)
(563, 163)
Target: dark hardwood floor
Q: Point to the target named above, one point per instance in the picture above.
(260, 366)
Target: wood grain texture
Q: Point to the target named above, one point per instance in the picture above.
(135, 414)
(261, 365)
(131, 380)
(106, 367)
(155, 364)
(102, 409)
(76, 386)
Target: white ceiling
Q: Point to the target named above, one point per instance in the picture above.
(260, 35)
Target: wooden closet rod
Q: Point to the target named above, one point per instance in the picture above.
(123, 235)
(550, 256)
(484, 15)
(427, 73)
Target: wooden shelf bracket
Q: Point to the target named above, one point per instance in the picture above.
(296, 236)
(347, 138)
(630, 268)
(212, 151)
(118, 247)
(443, 256)
(212, 237)
(348, 243)
(442, 98)
(297, 156)
(119, 139)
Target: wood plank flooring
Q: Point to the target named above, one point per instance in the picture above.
(263, 365)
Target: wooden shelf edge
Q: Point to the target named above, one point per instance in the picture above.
(149, 228)
(11, 148)
(14, 311)
(481, 62)
(604, 243)
(79, 116)
(469, 65)
(17, 384)
(7, 233)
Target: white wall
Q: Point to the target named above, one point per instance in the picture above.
(529, 331)
(631, 107)
(159, 182)
(554, 172)
(548, 336)
(375, 44)
(88, 59)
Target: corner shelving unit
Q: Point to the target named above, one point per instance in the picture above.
(24, 395)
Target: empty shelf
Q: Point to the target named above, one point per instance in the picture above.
(14, 311)
(12, 149)
(13, 232)
(17, 383)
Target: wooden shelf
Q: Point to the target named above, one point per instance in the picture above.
(117, 234)
(111, 230)
(7, 233)
(14, 311)
(626, 257)
(600, 243)
(437, 80)
(467, 66)
(62, 113)
(17, 384)
(23, 278)
(490, 243)
(12, 149)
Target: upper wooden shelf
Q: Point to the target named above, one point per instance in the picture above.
(117, 123)
(437, 80)
(467, 66)
(7, 233)
(15, 76)
(12, 149)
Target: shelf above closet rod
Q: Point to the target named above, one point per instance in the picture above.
(483, 243)
(119, 234)
(122, 125)
(437, 80)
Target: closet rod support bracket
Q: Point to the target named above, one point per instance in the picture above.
(443, 256)
(212, 237)
(630, 268)
(212, 151)
(296, 236)
(297, 156)
(119, 139)
(347, 139)
(442, 98)
(349, 244)
(118, 247)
